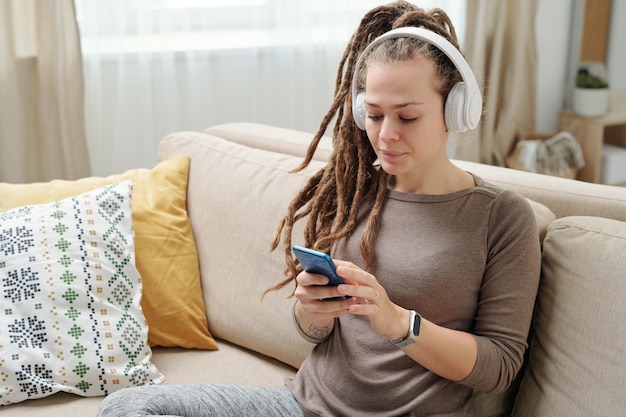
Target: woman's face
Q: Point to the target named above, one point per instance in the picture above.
(405, 122)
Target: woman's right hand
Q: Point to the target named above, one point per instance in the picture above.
(314, 315)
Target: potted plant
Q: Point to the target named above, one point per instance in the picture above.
(591, 95)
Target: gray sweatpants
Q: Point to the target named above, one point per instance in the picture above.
(200, 401)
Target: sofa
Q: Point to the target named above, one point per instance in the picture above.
(210, 261)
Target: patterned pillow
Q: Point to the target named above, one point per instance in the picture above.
(70, 318)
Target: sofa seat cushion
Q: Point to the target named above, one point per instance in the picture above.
(577, 365)
(61, 404)
(165, 248)
(231, 364)
(228, 365)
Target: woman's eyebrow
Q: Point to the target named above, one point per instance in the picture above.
(396, 106)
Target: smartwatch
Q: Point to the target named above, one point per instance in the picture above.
(414, 331)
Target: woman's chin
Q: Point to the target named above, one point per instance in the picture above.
(391, 168)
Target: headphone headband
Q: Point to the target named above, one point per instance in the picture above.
(462, 110)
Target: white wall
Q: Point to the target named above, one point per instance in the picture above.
(553, 30)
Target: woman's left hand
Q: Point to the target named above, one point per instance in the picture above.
(449, 353)
(386, 318)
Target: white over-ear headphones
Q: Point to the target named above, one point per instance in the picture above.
(464, 103)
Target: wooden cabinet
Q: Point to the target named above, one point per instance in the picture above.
(593, 132)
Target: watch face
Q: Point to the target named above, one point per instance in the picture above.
(416, 325)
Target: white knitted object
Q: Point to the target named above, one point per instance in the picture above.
(555, 155)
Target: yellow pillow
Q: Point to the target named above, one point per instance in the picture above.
(165, 249)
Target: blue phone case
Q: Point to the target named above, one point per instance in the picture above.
(317, 263)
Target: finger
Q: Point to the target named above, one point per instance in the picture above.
(363, 309)
(367, 294)
(352, 274)
(320, 308)
(339, 262)
(306, 279)
(317, 292)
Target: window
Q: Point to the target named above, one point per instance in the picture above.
(135, 26)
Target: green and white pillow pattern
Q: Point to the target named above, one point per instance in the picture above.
(70, 318)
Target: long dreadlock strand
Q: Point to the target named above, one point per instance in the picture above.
(333, 197)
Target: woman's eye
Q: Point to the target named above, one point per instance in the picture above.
(374, 117)
(408, 119)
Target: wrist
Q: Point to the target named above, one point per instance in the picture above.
(400, 329)
(413, 331)
(308, 330)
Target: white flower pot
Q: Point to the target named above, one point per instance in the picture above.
(591, 102)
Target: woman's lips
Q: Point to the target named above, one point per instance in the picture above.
(391, 154)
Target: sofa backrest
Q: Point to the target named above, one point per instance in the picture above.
(562, 196)
(565, 197)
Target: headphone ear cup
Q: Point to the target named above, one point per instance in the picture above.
(454, 108)
(358, 110)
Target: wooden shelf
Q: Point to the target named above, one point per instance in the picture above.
(593, 132)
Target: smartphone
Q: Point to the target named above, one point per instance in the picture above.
(318, 263)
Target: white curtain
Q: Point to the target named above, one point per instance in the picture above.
(42, 130)
(153, 67)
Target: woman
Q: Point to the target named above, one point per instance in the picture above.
(440, 268)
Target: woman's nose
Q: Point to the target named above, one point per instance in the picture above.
(388, 131)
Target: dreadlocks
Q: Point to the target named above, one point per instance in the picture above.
(333, 196)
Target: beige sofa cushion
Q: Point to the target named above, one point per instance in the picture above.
(563, 196)
(236, 197)
(577, 358)
(272, 138)
(228, 365)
